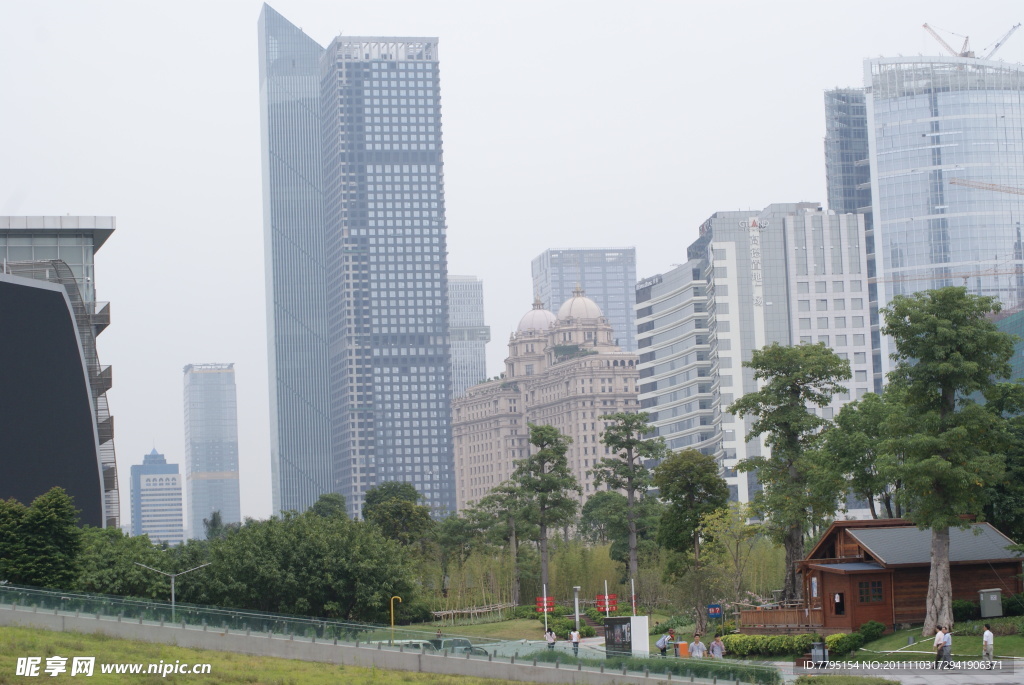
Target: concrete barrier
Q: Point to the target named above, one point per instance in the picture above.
(287, 647)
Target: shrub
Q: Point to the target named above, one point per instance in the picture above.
(524, 611)
(872, 630)
(1013, 605)
(675, 623)
(558, 611)
(965, 610)
(768, 645)
(841, 644)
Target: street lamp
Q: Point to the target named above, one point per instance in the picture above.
(576, 601)
(173, 576)
(393, 617)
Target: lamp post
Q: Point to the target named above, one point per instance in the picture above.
(393, 617)
(173, 576)
(576, 601)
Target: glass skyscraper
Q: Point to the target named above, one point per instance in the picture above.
(468, 333)
(211, 445)
(946, 141)
(607, 275)
(371, 209)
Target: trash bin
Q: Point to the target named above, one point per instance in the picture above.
(682, 649)
(819, 653)
(991, 602)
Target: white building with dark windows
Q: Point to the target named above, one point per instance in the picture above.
(791, 274)
(157, 509)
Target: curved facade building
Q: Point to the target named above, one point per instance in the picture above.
(946, 144)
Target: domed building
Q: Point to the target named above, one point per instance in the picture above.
(562, 370)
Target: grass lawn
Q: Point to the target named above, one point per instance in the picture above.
(963, 645)
(515, 629)
(226, 668)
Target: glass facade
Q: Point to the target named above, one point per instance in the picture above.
(358, 294)
(607, 275)
(469, 335)
(211, 445)
(946, 139)
(296, 269)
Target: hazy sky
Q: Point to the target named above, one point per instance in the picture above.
(566, 124)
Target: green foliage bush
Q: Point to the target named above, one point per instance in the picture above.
(768, 645)
(525, 611)
(1013, 605)
(725, 671)
(558, 611)
(676, 622)
(872, 630)
(965, 610)
(1007, 625)
(841, 644)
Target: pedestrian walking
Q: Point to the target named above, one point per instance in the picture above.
(574, 636)
(940, 638)
(550, 637)
(717, 648)
(987, 646)
(947, 648)
(698, 649)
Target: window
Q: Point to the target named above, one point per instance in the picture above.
(821, 305)
(840, 341)
(822, 322)
(861, 376)
(803, 287)
(804, 305)
(870, 591)
(819, 286)
(837, 286)
(805, 324)
(823, 339)
(839, 304)
(860, 358)
(858, 339)
(857, 303)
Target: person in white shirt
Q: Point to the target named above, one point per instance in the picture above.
(574, 636)
(940, 638)
(698, 649)
(987, 645)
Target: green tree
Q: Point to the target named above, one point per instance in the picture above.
(604, 518)
(214, 526)
(12, 545)
(548, 486)
(50, 542)
(108, 565)
(330, 505)
(946, 349)
(394, 507)
(504, 517)
(801, 488)
(731, 544)
(866, 443)
(627, 470)
(689, 483)
(1005, 508)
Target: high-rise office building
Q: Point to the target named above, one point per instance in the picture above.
(211, 445)
(791, 274)
(608, 275)
(364, 116)
(468, 333)
(945, 164)
(156, 500)
(296, 270)
(54, 418)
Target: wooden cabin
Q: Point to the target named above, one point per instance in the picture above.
(877, 570)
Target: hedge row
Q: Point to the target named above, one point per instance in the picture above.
(768, 645)
(728, 671)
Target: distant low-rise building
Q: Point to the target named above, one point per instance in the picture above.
(563, 370)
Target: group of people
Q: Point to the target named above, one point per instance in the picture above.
(574, 638)
(943, 645)
(698, 650)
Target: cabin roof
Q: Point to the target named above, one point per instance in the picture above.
(910, 545)
(849, 566)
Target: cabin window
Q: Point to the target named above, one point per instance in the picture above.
(870, 591)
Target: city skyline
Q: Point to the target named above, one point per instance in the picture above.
(182, 172)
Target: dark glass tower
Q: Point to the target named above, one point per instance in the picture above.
(382, 227)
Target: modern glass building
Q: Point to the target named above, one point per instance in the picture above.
(156, 500)
(296, 267)
(468, 333)
(373, 210)
(211, 445)
(54, 416)
(946, 142)
(608, 275)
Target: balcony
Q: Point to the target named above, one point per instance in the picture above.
(787, 620)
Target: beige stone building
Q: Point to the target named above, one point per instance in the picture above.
(564, 371)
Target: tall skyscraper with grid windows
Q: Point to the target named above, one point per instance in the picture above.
(367, 215)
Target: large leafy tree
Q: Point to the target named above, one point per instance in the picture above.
(504, 517)
(40, 544)
(800, 488)
(548, 486)
(626, 436)
(1005, 508)
(109, 565)
(732, 541)
(947, 349)
(330, 505)
(604, 518)
(394, 507)
(866, 442)
(689, 483)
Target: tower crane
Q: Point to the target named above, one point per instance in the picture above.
(999, 43)
(986, 186)
(965, 51)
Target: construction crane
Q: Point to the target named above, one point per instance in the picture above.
(999, 43)
(965, 51)
(986, 186)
